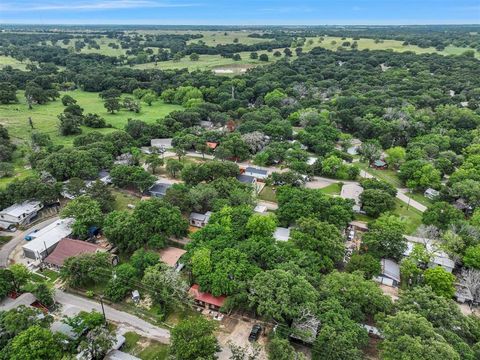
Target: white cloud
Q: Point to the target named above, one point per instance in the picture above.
(93, 5)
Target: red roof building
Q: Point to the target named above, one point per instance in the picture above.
(69, 247)
(170, 255)
(212, 145)
(206, 299)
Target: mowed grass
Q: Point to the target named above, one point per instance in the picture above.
(411, 216)
(15, 116)
(122, 200)
(332, 189)
(101, 41)
(143, 348)
(14, 63)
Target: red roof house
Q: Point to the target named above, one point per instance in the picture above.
(206, 299)
(170, 255)
(212, 145)
(69, 247)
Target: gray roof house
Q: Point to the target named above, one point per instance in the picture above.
(352, 192)
(431, 194)
(255, 172)
(199, 220)
(158, 189)
(390, 274)
(19, 214)
(246, 179)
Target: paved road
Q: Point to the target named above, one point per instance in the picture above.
(7, 249)
(73, 304)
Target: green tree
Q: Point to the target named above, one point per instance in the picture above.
(280, 349)
(472, 257)
(121, 282)
(281, 295)
(441, 214)
(370, 151)
(86, 269)
(194, 339)
(102, 194)
(395, 156)
(262, 225)
(21, 275)
(142, 259)
(407, 333)
(366, 263)
(441, 281)
(112, 105)
(35, 343)
(149, 98)
(8, 93)
(385, 237)
(67, 100)
(86, 212)
(97, 343)
(376, 202)
(173, 167)
(194, 57)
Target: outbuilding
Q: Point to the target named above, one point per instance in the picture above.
(159, 189)
(281, 234)
(390, 274)
(199, 220)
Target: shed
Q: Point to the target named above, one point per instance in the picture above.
(46, 239)
(64, 329)
(256, 173)
(158, 189)
(212, 145)
(170, 255)
(120, 355)
(261, 209)
(246, 179)
(379, 164)
(70, 247)
(104, 177)
(206, 299)
(281, 234)
(199, 220)
(390, 274)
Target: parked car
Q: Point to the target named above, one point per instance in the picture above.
(255, 333)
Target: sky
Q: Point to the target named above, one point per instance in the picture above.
(241, 12)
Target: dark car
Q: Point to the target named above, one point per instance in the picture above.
(255, 333)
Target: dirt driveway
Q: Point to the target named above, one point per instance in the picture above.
(237, 331)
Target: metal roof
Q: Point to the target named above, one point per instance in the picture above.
(247, 179)
(49, 235)
(281, 234)
(70, 247)
(16, 210)
(256, 170)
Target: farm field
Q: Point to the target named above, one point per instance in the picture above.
(14, 63)
(15, 116)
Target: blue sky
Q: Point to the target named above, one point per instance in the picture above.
(240, 12)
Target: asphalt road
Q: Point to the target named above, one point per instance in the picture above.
(73, 304)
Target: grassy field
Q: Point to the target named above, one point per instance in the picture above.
(412, 217)
(21, 170)
(122, 200)
(268, 194)
(332, 189)
(14, 63)
(102, 42)
(144, 348)
(15, 116)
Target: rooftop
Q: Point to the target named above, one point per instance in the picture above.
(171, 255)
(206, 297)
(351, 191)
(246, 179)
(49, 235)
(17, 210)
(120, 355)
(281, 234)
(159, 188)
(256, 170)
(391, 269)
(165, 143)
(212, 145)
(69, 247)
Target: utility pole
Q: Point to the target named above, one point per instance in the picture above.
(103, 310)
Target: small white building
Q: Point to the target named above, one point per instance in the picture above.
(281, 234)
(352, 192)
(45, 240)
(199, 220)
(260, 209)
(311, 160)
(19, 214)
(162, 144)
(259, 174)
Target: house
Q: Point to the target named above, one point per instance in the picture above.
(463, 294)
(390, 274)
(171, 255)
(104, 177)
(205, 299)
(439, 257)
(64, 329)
(379, 164)
(352, 192)
(281, 234)
(355, 145)
(26, 299)
(19, 214)
(212, 145)
(462, 205)
(120, 355)
(44, 241)
(159, 189)
(67, 248)
(246, 179)
(162, 144)
(311, 160)
(206, 124)
(259, 174)
(431, 194)
(124, 159)
(199, 220)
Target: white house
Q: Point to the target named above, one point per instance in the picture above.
(431, 194)
(199, 220)
(45, 240)
(390, 274)
(439, 257)
(19, 214)
(256, 173)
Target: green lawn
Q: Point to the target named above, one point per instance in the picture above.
(412, 217)
(268, 194)
(387, 175)
(21, 170)
(15, 116)
(332, 189)
(5, 239)
(134, 344)
(122, 200)
(14, 63)
(418, 196)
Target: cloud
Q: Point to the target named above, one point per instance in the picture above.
(93, 5)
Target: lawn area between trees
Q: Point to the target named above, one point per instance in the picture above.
(15, 116)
